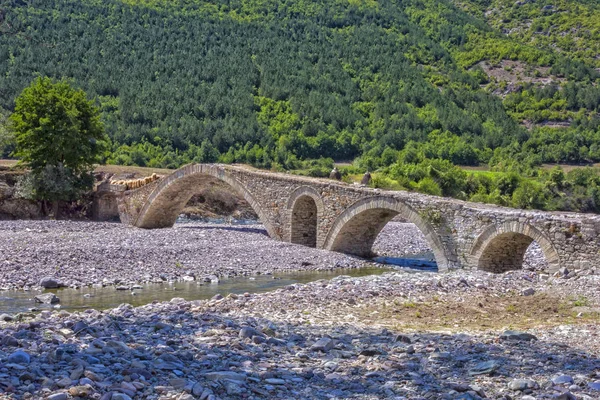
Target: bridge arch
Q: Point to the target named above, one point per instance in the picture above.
(164, 204)
(356, 229)
(501, 248)
(305, 210)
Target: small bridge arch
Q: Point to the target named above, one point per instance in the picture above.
(305, 210)
(356, 229)
(164, 204)
(501, 247)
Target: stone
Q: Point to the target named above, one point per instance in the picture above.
(223, 375)
(324, 345)
(528, 292)
(6, 317)
(484, 368)
(403, 339)
(19, 357)
(594, 386)
(118, 345)
(120, 396)
(58, 396)
(64, 382)
(232, 388)
(248, 332)
(517, 335)
(197, 389)
(522, 384)
(49, 283)
(47, 298)
(177, 383)
(275, 381)
(564, 396)
(562, 379)
(81, 391)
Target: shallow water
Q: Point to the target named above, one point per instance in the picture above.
(108, 297)
(424, 262)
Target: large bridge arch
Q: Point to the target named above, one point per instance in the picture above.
(356, 229)
(501, 247)
(164, 204)
(305, 213)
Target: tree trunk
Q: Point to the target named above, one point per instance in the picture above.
(56, 209)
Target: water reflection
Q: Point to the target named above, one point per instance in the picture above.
(418, 262)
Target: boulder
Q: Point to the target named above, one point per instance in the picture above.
(47, 298)
(49, 283)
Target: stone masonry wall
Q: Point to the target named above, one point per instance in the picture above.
(462, 234)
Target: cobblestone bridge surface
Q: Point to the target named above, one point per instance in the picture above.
(341, 217)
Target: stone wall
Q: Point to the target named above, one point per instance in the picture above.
(337, 216)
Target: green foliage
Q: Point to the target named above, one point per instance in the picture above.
(6, 135)
(58, 136)
(56, 125)
(54, 183)
(394, 86)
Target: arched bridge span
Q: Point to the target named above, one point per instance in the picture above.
(336, 216)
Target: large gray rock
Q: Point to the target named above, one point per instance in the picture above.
(562, 379)
(324, 344)
(47, 298)
(522, 384)
(19, 357)
(517, 335)
(484, 368)
(225, 375)
(249, 332)
(58, 396)
(49, 283)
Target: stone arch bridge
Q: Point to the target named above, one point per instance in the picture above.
(341, 217)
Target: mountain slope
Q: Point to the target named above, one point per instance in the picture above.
(266, 81)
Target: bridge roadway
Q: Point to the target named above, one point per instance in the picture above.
(342, 217)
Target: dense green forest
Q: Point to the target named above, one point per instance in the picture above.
(399, 86)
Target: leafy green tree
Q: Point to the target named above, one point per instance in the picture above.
(7, 138)
(58, 136)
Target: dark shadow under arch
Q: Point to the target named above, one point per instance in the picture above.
(303, 228)
(167, 200)
(502, 248)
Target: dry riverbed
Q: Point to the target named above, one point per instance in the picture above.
(393, 336)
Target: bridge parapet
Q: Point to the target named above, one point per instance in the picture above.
(337, 216)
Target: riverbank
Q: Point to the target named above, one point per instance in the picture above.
(82, 253)
(79, 253)
(397, 336)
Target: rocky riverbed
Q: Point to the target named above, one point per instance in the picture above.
(85, 253)
(79, 253)
(460, 335)
(396, 336)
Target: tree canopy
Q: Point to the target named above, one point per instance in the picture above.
(58, 136)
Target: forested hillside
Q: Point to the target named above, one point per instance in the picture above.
(274, 83)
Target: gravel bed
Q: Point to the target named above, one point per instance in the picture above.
(459, 335)
(84, 253)
(301, 342)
